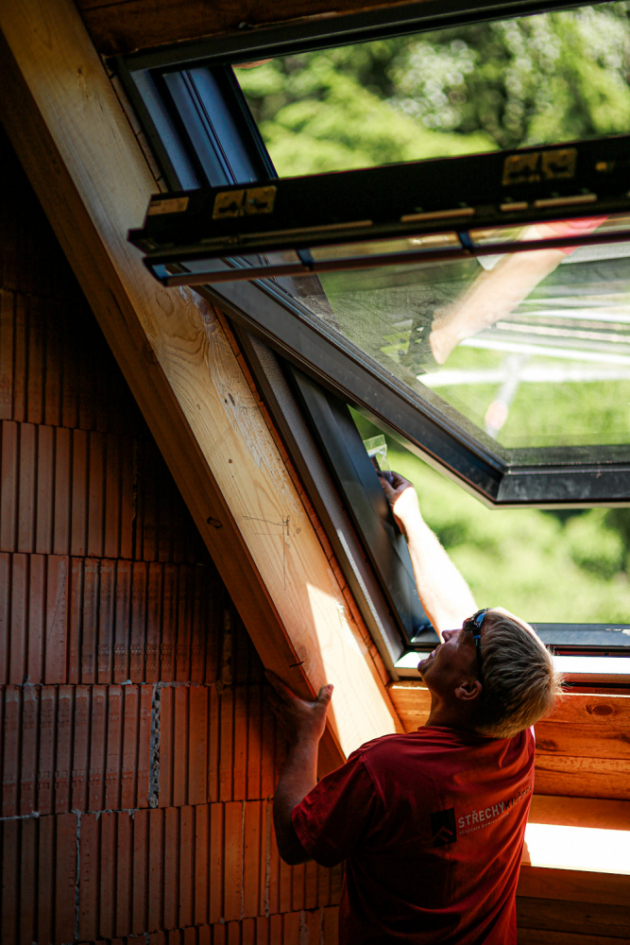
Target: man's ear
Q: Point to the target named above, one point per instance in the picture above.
(469, 689)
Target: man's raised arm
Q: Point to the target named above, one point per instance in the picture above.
(445, 595)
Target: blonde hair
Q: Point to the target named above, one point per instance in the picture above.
(519, 680)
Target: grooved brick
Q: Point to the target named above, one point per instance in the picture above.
(233, 897)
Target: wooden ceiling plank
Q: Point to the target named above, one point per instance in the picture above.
(88, 170)
(573, 885)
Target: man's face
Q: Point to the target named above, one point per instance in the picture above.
(451, 662)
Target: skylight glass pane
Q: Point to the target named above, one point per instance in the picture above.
(533, 348)
(530, 80)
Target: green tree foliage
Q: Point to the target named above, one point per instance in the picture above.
(531, 80)
(315, 115)
(526, 81)
(595, 544)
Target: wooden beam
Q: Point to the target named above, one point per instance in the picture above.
(606, 711)
(538, 936)
(413, 703)
(583, 776)
(582, 748)
(535, 917)
(580, 812)
(577, 850)
(573, 885)
(89, 172)
(122, 26)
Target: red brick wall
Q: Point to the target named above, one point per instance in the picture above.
(137, 753)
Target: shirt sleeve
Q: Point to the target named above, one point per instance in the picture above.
(332, 820)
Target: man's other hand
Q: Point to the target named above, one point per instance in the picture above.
(304, 723)
(302, 720)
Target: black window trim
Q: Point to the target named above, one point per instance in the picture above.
(312, 33)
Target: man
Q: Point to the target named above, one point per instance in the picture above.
(430, 824)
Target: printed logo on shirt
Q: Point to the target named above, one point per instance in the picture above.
(443, 827)
(483, 816)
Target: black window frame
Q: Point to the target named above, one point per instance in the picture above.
(311, 352)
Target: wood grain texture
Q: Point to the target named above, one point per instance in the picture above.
(579, 918)
(412, 702)
(603, 740)
(118, 26)
(580, 812)
(574, 885)
(547, 937)
(583, 777)
(591, 709)
(88, 170)
(587, 726)
(582, 748)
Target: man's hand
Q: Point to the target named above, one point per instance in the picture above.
(304, 723)
(401, 495)
(301, 720)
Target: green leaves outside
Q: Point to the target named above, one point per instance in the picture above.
(525, 81)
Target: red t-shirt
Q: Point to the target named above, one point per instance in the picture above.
(431, 825)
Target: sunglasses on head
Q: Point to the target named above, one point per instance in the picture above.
(474, 625)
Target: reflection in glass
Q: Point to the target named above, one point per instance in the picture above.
(532, 347)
